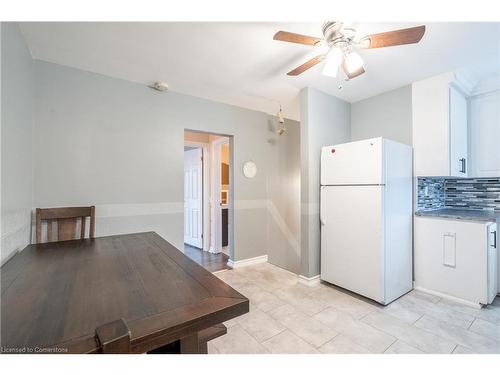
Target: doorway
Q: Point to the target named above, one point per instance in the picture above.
(193, 196)
(221, 189)
(207, 199)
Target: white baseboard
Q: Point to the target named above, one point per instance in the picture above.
(247, 262)
(309, 281)
(211, 250)
(219, 271)
(448, 297)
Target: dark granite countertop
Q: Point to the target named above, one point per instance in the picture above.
(453, 213)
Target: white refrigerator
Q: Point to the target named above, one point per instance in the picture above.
(366, 218)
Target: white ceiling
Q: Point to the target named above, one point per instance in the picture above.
(240, 63)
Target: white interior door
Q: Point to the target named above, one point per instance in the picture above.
(193, 197)
(352, 255)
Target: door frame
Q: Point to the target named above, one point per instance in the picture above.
(216, 233)
(205, 151)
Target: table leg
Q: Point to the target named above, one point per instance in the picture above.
(190, 345)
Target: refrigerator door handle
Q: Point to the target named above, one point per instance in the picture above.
(321, 216)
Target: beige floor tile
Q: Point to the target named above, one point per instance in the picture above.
(291, 317)
(424, 296)
(485, 328)
(489, 313)
(230, 277)
(268, 277)
(400, 347)
(294, 291)
(301, 300)
(459, 335)
(260, 325)
(399, 311)
(362, 334)
(237, 341)
(279, 312)
(412, 335)
(308, 305)
(247, 288)
(266, 301)
(288, 343)
(328, 293)
(304, 326)
(231, 323)
(341, 344)
(463, 350)
(212, 349)
(308, 328)
(437, 310)
(344, 302)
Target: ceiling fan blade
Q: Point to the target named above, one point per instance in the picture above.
(351, 75)
(285, 36)
(393, 38)
(306, 65)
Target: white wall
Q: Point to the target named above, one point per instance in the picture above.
(16, 140)
(119, 145)
(387, 115)
(325, 120)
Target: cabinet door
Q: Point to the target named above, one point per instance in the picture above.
(485, 134)
(458, 133)
(451, 258)
(493, 262)
(431, 137)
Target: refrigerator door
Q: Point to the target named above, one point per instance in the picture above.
(354, 163)
(352, 243)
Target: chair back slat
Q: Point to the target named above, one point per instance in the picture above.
(66, 220)
(82, 227)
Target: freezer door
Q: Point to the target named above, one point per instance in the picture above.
(352, 251)
(354, 163)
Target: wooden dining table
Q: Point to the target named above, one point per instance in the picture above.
(132, 293)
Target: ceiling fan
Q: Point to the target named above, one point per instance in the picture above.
(339, 45)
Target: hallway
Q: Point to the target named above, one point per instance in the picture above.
(212, 262)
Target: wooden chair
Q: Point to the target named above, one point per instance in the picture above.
(66, 219)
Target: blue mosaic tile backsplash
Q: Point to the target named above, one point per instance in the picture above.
(430, 193)
(463, 193)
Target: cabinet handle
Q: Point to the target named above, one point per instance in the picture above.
(494, 239)
(463, 165)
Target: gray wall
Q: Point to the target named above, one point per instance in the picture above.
(284, 198)
(324, 120)
(386, 115)
(16, 140)
(119, 145)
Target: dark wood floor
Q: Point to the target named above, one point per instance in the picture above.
(212, 262)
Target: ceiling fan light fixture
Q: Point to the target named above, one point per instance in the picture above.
(333, 61)
(340, 37)
(353, 62)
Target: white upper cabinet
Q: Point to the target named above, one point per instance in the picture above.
(439, 127)
(485, 134)
(459, 162)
